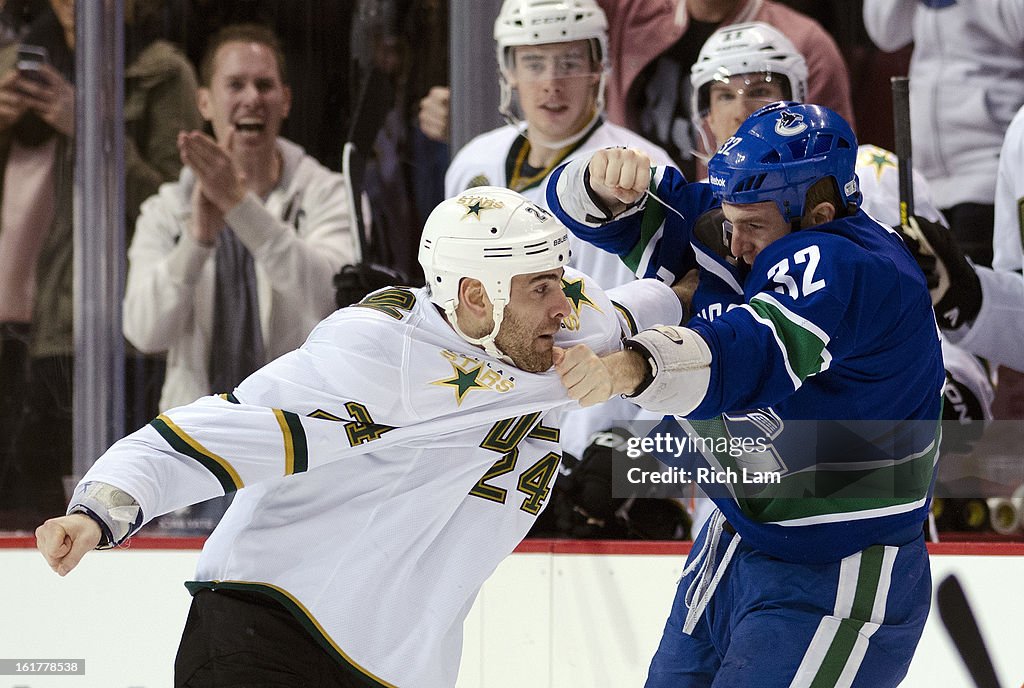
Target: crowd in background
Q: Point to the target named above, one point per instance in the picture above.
(205, 308)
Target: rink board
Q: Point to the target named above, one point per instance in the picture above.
(555, 614)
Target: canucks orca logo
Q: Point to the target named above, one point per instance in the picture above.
(790, 123)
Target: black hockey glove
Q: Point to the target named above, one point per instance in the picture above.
(952, 281)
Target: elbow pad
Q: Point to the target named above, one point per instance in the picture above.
(680, 363)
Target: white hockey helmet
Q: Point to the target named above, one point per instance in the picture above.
(539, 22)
(749, 48)
(490, 234)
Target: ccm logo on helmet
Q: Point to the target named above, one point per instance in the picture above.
(549, 20)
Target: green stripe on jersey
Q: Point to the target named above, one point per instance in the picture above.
(801, 347)
(296, 453)
(182, 443)
(652, 221)
(827, 492)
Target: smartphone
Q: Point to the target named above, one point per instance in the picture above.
(30, 59)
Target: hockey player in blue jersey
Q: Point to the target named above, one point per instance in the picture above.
(814, 313)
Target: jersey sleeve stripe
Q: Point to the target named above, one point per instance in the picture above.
(803, 345)
(182, 443)
(229, 397)
(627, 317)
(716, 269)
(793, 317)
(652, 226)
(767, 322)
(296, 454)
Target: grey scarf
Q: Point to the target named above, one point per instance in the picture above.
(236, 349)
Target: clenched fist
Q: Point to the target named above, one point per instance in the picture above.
(591, 379)
(64, 541)
(619, 176)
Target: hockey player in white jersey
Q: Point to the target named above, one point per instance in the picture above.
(382, 470)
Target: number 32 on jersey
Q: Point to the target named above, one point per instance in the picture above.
(787, 284)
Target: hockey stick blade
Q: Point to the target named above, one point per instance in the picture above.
(962, 627)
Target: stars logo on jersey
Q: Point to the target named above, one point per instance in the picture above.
(474, 205)
(575, 290)
(470, 373)
(790, 123)
(878, 158)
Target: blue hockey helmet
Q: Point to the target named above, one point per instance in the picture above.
(780, 151)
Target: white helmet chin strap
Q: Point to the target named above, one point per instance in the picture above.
(487, 341)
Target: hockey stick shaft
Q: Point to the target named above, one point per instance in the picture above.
(962, 627)
(901, 130)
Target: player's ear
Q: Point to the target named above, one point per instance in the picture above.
(820, 214)
(473, 296)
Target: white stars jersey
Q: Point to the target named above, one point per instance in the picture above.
(388, 468)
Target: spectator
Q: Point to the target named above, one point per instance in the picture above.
(37, 123)
(966, 83)
(653, 44)
(553, 65)
(833, 325)
(231, 265)
(435, 486)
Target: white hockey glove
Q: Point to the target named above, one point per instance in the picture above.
(680, 369)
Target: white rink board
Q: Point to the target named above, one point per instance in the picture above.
(545, 620)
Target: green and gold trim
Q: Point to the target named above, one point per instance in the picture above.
(183, 443)
(296, 453)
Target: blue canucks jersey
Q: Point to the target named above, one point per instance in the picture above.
(825, 349)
